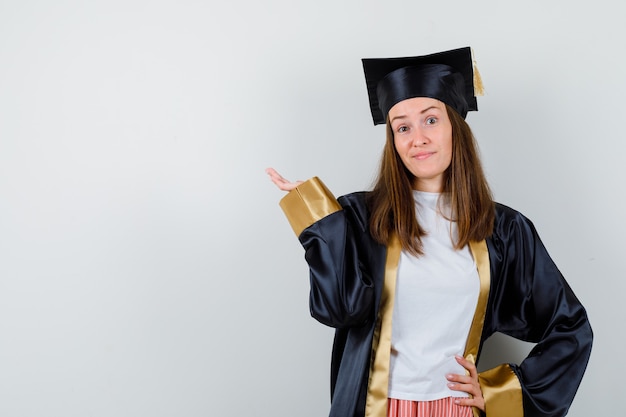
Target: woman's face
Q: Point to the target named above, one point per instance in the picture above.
(422, 135)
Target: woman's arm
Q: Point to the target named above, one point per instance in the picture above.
(342, 290)
(531, 301)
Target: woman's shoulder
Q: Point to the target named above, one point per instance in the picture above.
(507, 213)
(356, 205)
(509, 220)
(355, 198)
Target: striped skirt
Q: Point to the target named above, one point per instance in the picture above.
(444, 407)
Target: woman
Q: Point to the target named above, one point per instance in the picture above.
(417, 273)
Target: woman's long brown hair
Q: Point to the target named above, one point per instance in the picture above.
(465, 187)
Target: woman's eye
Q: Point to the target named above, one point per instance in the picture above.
(431, 120)
(402, 129)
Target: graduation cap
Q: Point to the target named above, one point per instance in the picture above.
(448, 76)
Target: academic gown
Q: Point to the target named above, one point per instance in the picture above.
(522, 294)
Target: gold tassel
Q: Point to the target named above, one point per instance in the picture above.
(479, 89)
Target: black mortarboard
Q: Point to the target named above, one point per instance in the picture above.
(447, 76)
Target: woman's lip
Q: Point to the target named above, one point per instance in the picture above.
(422, 155)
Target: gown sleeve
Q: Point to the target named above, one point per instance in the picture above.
(342, 289)
(531, 301)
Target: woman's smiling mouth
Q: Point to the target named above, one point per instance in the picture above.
(422, 155)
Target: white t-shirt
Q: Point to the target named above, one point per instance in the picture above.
(435, 301)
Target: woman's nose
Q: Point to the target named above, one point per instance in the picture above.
(419, 138)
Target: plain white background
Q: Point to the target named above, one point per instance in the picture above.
(145, 266)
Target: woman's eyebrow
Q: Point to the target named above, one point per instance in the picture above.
(429, 108)
(403, 116)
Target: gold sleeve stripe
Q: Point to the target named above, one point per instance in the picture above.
(308, 203)
(502, 392)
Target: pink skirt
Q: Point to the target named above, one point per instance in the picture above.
(445, 407)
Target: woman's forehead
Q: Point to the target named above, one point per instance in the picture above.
(416, 104)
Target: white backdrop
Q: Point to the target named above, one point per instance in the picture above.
(145, 266)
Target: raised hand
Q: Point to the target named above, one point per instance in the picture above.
(281, 182)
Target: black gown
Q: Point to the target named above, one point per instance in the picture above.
(523, 295)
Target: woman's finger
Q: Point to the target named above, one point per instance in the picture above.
(467, 383)
(273, 173)
(281, 182)
(471, 368)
